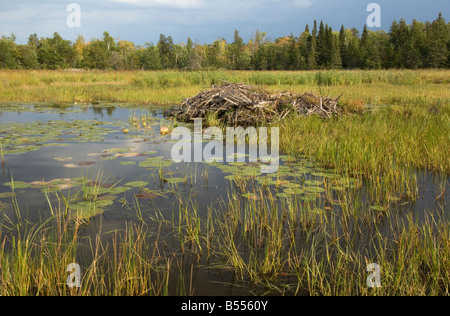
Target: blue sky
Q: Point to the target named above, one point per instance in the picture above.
(143, 21)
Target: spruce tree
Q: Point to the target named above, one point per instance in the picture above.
(312, 51)
(437, 43)
(336, 61)
(343, 47)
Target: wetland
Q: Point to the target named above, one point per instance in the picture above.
(95, 184)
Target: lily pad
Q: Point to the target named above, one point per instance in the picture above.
(104, 203)
(7, 195)
(136, 184)
(155, 162)
(176, 180)
(312, 189)
(86, 210)
(252, 196)
(71, 166)
(86, 163)
(128, 163)
(63, 159)
(17, 185)
(107, 197)
(313, 182)
(146, 196)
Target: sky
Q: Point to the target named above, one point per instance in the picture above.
(205, 21)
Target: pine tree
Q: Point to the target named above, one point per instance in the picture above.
(322, 46)
(312, 51)
(414, 48)
(303, 47)
(167, 52)
(438, 35)
(336, 61)
(343, 47)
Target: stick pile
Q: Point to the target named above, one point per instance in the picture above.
(241, 104)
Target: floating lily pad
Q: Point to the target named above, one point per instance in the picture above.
(86, 210)
(114, 191)
(71, 166)
(150, 153)
(7, 195)
(128, 155)
(63, 159)
(176, 180)
(17, 185)
(86, 163)
(146, 196)
(107, 197)
(136, 184)
(64, 186)
(128, 163)
(109, 157)
(252, 196)
(313, 189)
(291, 185)
(155, 162)
(104, 203)
(313, 182)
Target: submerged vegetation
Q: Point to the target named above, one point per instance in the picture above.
(370, 186)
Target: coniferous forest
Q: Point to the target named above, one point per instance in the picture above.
(410, 46)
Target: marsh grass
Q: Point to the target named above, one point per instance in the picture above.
(310, 251)
(397, 125)
(282, 246)
(172, 87)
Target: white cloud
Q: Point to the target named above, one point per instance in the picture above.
(180, 4)
(302, 3)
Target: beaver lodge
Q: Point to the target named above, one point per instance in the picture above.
(241, 104)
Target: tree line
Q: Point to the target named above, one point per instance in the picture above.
(411, 46)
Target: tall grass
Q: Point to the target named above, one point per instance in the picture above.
(171, 87)
(287, 247)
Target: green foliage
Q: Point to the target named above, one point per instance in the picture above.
(415, 46)
(55, 53)
(7, 52)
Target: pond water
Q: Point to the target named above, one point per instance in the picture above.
(84, 154)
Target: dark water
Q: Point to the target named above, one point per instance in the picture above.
(204, 184)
